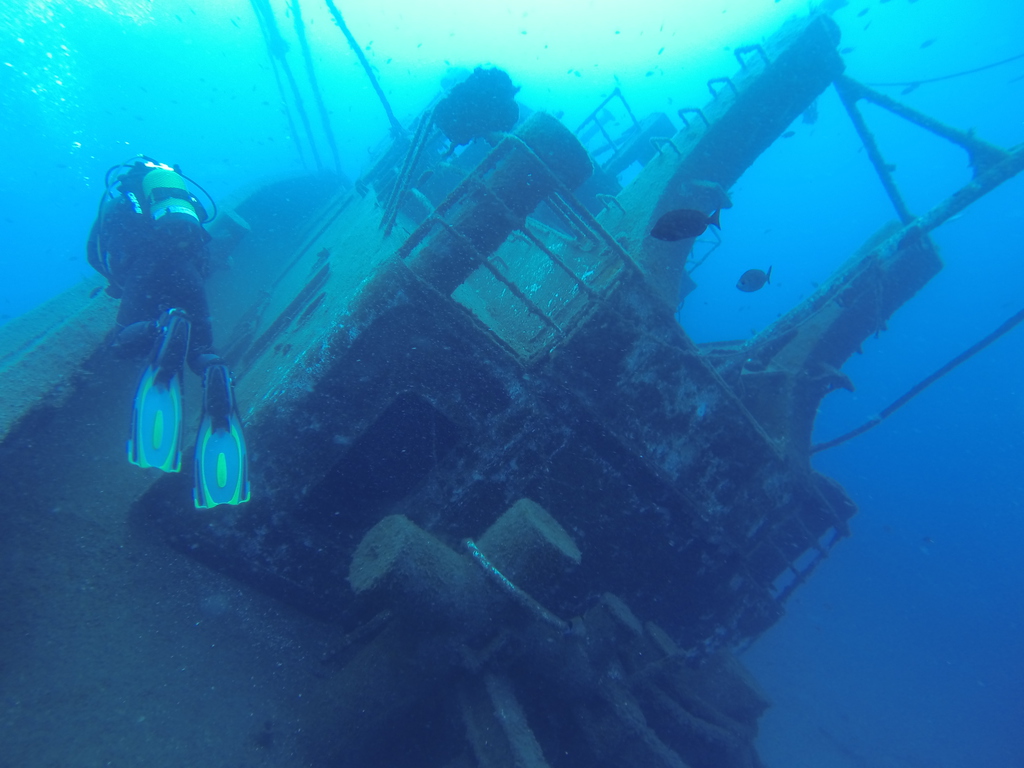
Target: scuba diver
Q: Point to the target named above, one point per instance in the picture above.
(148, 240)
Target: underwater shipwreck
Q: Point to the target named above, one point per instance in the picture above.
(534, 515)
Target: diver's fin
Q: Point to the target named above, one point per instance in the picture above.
(155, 440)
(222, 465)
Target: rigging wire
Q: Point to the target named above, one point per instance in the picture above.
(272, 45)
(922, 385)
(954, 75)
(325, 119)
(278, 49)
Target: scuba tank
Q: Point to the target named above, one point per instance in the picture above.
(157, 190)
(177, 215)
(167, 197)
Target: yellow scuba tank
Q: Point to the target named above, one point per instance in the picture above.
(177, 216)
(167, 196)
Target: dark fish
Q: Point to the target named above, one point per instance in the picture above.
(862, 13)
(753, 280)
(910, 89)
(788, 134)
(683, 223)
(928, 42)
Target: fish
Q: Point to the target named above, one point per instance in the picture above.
(753, 280)
(683, 223)
(789, 134)
(927, 43)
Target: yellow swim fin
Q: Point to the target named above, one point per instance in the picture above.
(155, 439)
(221, 462)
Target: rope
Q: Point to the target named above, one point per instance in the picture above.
(396, 127)
(955, 74)
(922, 385)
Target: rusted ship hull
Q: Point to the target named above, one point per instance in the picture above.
(481, 443)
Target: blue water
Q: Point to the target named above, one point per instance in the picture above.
(905, 647)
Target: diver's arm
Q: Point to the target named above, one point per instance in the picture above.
(92, 249)
(103, 234)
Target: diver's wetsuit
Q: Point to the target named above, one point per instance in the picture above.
(153, 269)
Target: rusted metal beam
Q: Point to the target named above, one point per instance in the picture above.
(849, 98)
(982, 153)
